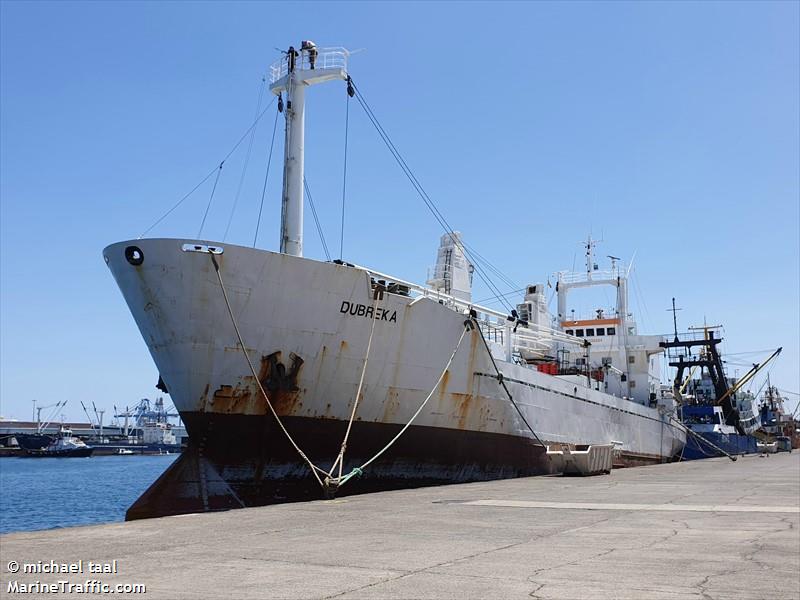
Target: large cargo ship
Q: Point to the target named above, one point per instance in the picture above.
(297, 377)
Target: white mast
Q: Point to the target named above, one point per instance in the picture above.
(291, 74)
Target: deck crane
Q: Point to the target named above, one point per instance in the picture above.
(56, 407)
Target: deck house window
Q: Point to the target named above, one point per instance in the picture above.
(579, 332)
(611, 331)
(590, 333)
(570, 332)
(601, 331)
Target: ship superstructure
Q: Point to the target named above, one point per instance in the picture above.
(611, 353)
(295, 376)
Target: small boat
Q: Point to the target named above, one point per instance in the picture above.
(63, 446)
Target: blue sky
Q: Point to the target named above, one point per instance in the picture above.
(671, 130)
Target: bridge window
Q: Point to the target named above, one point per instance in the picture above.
(611, 331)
(590, 333)
(579, 332)
(570, 332)
(601, 331)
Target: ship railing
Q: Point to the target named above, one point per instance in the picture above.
(531, 343)
(493, 332)
(689, 336)
(485, 314)
(607, 313)
(326, 58)
(584, 277)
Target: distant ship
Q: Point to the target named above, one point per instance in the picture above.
(298, 378)
(721, 415)
(778, 424)
(64, 445)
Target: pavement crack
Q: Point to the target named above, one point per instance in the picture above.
(315, 564)
(428, 568)
(701, 587)
(535, 592)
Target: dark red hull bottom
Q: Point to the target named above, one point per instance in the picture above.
(234, 461)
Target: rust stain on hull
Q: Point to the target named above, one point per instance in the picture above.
(458, 404)
(278, 381)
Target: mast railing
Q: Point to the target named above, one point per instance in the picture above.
(326, 58)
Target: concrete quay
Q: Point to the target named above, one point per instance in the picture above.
(710, 529)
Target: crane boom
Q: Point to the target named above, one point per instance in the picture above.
(749, 375)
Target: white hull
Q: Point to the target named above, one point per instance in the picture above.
(320, 313)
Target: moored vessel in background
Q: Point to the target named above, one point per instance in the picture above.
(716, 408)
(65, 445)
(776, 422)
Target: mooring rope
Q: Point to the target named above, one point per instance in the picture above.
(378, 293)
(314, 468)
(700, 438)
(501, 379)
(331, 484)
(358, 470)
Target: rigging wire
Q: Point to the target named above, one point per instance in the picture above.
(266, 177)
(425, 197)
(211, 198)
(493, 299)
(508, 281)
(770, 350)
(637, 290)
(763, 384)
(344, 173)
(207, 177)
(246, 159)
(316, 219)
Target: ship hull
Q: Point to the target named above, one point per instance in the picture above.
(306, 326)
(33, 441)
(246, 461)
(732, 443)
(241, 461)
(71, 453)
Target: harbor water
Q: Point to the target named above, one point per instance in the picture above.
(48, 493)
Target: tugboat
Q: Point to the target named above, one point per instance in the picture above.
(63, 446)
